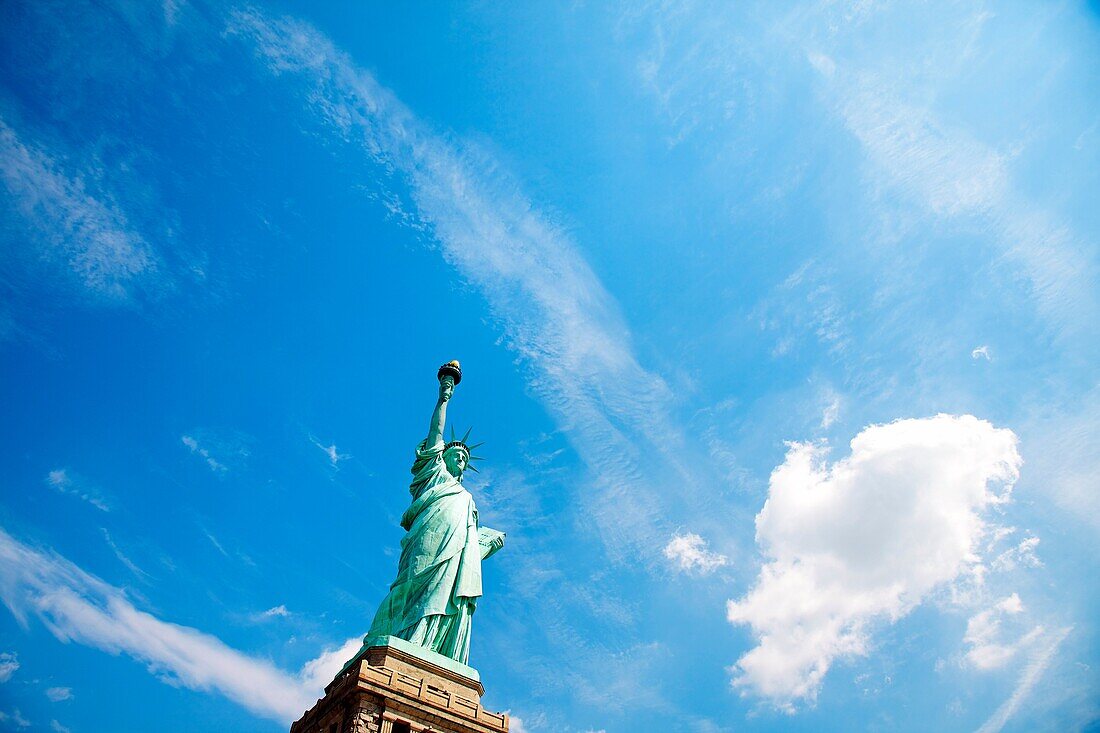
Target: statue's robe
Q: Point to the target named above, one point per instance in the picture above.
(439, 577)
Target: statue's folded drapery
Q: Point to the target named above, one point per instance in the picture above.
(439, 577)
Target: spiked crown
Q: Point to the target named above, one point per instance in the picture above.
(470, 458)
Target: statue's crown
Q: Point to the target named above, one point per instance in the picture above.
(470, 458)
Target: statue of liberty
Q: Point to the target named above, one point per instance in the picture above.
(432, 601)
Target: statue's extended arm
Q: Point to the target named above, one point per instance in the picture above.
(490, 540)
(439, 416)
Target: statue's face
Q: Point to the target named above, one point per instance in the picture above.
(455, 460)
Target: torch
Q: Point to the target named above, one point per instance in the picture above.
(450, 369)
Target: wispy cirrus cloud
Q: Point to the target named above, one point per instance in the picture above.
(1040, 660)
(213, 463)
(123, 558)
(75, 606)
(948, 175)
(221, 450)
(76, 222)
(957, 177)
(214, 541)
(14, 718)
(553, 309)
(69, 482)
(334, 455)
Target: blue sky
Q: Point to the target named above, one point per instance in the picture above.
(779, 323)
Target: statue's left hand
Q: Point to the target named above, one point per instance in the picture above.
(490, 540)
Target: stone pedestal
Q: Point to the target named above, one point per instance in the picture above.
(392, 686)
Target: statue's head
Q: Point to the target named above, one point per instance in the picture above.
(456, 457)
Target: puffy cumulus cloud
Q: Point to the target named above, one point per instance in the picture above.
(689, 553)
(59, 694)
(864, 539)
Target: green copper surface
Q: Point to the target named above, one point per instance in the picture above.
(427, 655)
(432, 601)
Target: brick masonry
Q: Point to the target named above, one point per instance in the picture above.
(386, 690)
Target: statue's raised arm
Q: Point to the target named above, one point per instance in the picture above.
(449, 375)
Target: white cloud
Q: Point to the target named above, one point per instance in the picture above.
(334, 456)
(824, 65)
(77, 607)
(171, 10)
(981, 352)
(68, 482)
(317, 673)
(528, 723)
(983, 634)
(832, 410)
(214, 541)
(1022, 555)
(56, 727)
(1037, 665)
(59, 694)
(91, 235)
(204, 453)
(690, 554)
(15, 718)
(553, 309)
(808, 302)
(276, 612)
(864, 539)
(954, 175)
(122, 558)
(9, 665)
